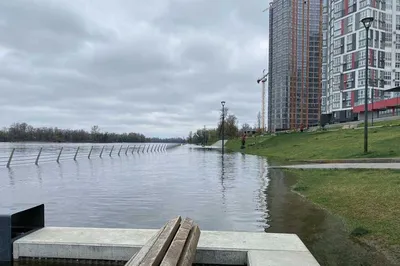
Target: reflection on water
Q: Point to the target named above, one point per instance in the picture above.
(220, 192)
(232, 191)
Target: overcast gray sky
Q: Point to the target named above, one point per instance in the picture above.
(159, 67)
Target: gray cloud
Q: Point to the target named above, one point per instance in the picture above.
(158, 67)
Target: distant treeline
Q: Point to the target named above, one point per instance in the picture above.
(231, 130)
(25, 132)
(209, 136)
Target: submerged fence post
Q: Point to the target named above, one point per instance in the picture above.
(148, 147)
(101, 153)
(138, 150)
(38, 156)
(76, 153)
(126, 151)
(90, 152)
(144, 147)
(119, 152)
(133, 149)
(59, 155)
(112, 148)
(152, 146)
(11, 156)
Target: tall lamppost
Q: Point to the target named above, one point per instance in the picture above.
(222, 125)
(372, 107)
(367, 24)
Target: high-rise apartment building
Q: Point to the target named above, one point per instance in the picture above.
(344, 58)
(295, 43)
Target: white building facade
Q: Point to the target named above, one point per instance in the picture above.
(344, 57)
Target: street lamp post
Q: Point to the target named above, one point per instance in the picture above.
(222, 125)
(372, 107)
(367, 24)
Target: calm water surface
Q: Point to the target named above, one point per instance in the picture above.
(143, 190)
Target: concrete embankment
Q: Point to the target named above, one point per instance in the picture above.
(227, 248)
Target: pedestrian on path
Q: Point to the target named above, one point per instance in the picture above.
(243, 140)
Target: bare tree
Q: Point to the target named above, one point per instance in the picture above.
(230, 127)
(190, 138)
(95, 129)
(95, 132)
(245, 127)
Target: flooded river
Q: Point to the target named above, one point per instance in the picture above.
(143, 190)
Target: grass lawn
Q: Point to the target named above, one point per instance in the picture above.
(340, 144)
(382, 123)
(367, 200)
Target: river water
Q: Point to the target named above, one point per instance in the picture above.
(143, 190)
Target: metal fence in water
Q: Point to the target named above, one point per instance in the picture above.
(19, 156)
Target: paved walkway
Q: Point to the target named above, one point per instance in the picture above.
(353, 161)
(219, 143)
(344, 166)
(216, 146)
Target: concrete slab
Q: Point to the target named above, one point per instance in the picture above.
(230, 248)
(278, 258)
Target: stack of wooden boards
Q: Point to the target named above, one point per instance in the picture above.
(174, 245)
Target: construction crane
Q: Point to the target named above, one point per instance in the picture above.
(270, 4)
(266, 9)
(263, 79)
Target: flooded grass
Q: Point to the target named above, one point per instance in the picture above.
(326, 235)
(367, 201)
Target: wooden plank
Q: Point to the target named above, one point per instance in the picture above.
(160, 246)
(189, 251)
(174, 252)
(139, 256)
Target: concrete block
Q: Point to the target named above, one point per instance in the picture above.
(281, 258)
(214, 247)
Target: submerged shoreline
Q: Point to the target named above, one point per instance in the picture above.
(324, 234)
